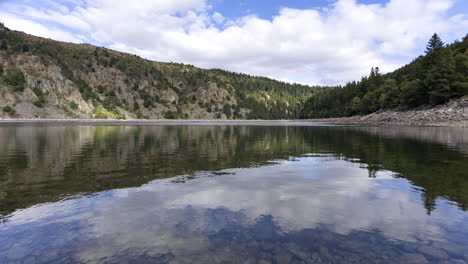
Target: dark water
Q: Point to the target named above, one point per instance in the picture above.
(233, 194)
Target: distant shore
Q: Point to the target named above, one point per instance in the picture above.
(354, 120)
(452, 114)
(148, 121)
(46, 120)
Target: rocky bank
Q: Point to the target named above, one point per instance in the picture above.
(453, 114)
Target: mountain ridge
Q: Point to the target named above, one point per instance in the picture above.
(43, 78)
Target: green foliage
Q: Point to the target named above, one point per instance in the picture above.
(265, 98)
(73, 105)
(38, 92)
(183, 100)
(411, 93)
(16, 79)
(147, 103)
(389, 97)
(7, 109)
(103, 113)
(461, 63)
(139, 115)
(101, 89)
(227, 110)
(85, 90)
(148, 100)
(435, 78)
(25, 48)
(440, 76)
(3, 45)
(356, 105)
(39, 103)
(434, 44)
(41, 100)
(111, 103)
(170, 115)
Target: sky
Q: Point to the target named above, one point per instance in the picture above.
(325, 42)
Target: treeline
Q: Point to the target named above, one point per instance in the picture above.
(267, 98)
(432, 79)
(264, 98)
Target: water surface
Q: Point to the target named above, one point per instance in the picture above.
(233, 193)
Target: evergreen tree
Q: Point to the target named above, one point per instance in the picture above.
(389, 97)
(412, 93)
(440, 77)
(435, 43)
(356, 104)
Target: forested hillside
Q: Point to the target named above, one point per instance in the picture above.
(432, 79)
(49, 79)
(43, 78)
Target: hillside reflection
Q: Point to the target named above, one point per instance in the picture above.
(47, 164)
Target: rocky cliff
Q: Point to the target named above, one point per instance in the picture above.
(42, 78)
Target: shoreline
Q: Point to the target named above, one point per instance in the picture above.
(29, 121)
(361, 120)
(452, 114)
(49, 120)
(353, 120)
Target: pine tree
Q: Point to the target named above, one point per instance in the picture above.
(440, 77)
(435, 43)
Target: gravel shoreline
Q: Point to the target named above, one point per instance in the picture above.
(452, 114)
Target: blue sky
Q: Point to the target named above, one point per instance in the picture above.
(306, 41)
(267, 9)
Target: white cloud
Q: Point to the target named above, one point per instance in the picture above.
(331, 45)
(300, 195)
(37, 29)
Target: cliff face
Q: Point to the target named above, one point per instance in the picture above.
(42, 78)
(58, 90)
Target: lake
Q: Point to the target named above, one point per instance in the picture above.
(232, 193)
